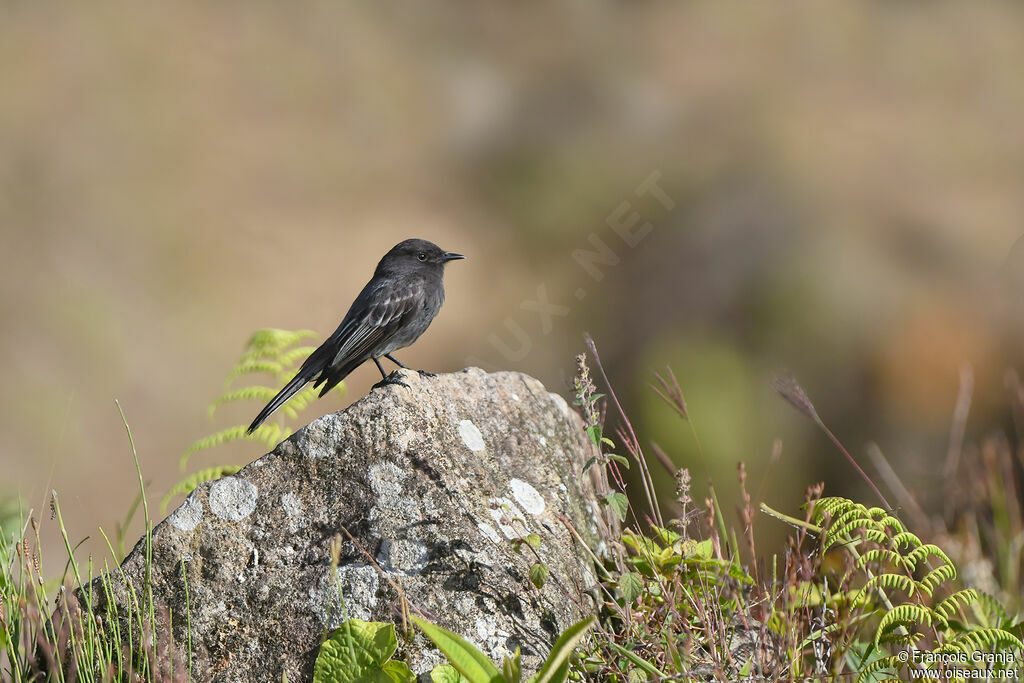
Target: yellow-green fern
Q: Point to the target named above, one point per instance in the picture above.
(269, 352)
(901, 578)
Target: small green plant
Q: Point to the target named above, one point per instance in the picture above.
(269, 352)
(360, 652)
(475, 667)
(900, 584)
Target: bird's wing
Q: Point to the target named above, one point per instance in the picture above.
(367, 327)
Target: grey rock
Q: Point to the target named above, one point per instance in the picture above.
(433, 481)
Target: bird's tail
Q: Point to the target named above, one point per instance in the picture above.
(282, 397)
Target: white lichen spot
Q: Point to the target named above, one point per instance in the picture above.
(560, 402)
(505, 513)
(485, 628)
(515, 397)
(527, 496)
(492, 637)
(471, 436)
(232, 498)
(188, 515)
(291, 504)
(488, 532)
(403, 556)
(405, 438)
(357, 582)
(543, 440)
(387, 480)
(317, 439)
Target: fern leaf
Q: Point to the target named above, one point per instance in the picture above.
(228, 435)
(902, 615)
(829, 507)
(270, 433)
(988, 639)
(255, 393)
(885, 665)
(838, 534)
(892, 581)
(881, 556)
(889, 522)
(936, 577)
(293, 356)
(926, 550)
(275, 338)
(269, 367)
(187, 485)
(957, 601)
(876, 536)
(908, 539)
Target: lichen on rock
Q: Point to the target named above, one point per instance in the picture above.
(433, 481)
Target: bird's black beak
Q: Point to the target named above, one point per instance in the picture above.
(451, 256)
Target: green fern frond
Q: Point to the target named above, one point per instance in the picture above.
(906, 538)
(884, 665)
(271, 433)
(276, 338)
(902, 615)
(254, 393)
(987, 639)
(236, 433)
(843, 534)
(882, 556)
(890, 522)
(877, 513)
(828, 507)
(957, 601)
(188, 484)
(928, 549)
(936, 577)
(302, 399)
(892, 582)
(299, 353)
(269, 367)
(876, 536)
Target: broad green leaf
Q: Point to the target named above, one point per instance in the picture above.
(589, 464)
(556, 667)
(398, 671)
(446, 673)
(358, 652)
(631, 586)
(538, 574)
(465, 657)
(617, 501)
(622, 460)
(533, 540)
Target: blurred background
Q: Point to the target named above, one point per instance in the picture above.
(835, 191)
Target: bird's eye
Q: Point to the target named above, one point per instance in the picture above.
(422, 256)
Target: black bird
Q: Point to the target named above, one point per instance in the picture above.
(393, 310)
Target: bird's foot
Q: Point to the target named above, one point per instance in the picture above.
(425, 373)
(393, 378)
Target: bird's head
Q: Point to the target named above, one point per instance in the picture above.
(416, 255)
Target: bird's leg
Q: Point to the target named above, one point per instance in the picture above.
(406, 367)
(388, 379)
